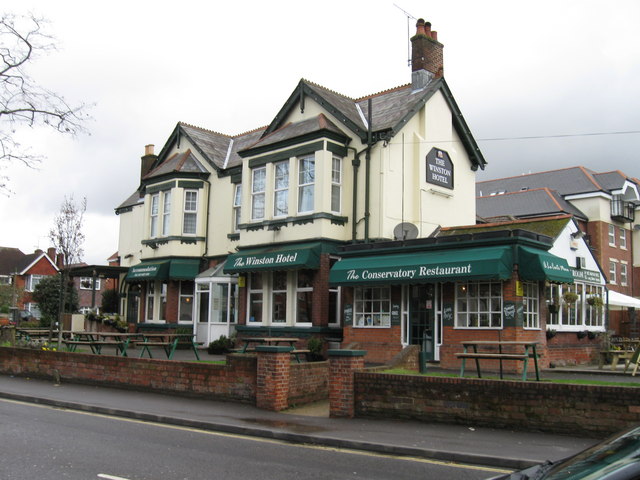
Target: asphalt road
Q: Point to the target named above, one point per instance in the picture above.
(48, 443)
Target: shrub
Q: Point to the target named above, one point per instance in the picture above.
(220, 346)
(315, 348)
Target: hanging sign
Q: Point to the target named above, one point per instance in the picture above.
(439, 168)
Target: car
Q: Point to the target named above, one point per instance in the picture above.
(616, 458)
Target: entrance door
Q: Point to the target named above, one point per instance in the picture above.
(133, 303)
(216, 311)
(422, 328)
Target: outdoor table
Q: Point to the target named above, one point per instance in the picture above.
(32, 333)
(529, 352)
(168, 341)
(268, 341)
(97, 340)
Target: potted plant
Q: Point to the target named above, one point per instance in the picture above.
(551, 333)
(581, 334)
(569, 297)
(595, 301)
(315, 349)
(553, 308)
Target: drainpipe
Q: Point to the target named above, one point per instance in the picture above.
(206, 230)
(367, 174)
(356, 163)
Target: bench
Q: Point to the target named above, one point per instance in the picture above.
(616, 355)
(299, 352)
(529, 352)
(95, 345)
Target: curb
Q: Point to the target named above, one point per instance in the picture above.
(296, 438)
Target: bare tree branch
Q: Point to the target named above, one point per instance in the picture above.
(23, 101)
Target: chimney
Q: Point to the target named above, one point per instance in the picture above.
(426, 56)
(148, 160)
(51, 253)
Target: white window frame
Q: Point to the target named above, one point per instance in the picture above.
(281, 189)
(190, 211)
(372, 307)
(258, 192)
(613, 268)
(150, 301)
(33, 281)
(624, 272)
(273, 318)
(154, 212)
(237, 207)
(335, 293)
(166, 213)
(252, 292)
(305, 290)
(32, 308)
(162, 311)
(306, 183)
(531, 305)
(612, 235)
(336, 184)
(578, 316)
(622, 237)
(87, 282)
(472, 306)
(188, 299)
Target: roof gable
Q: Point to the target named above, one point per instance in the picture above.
(30, 261)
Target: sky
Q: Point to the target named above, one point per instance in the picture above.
(542, 85)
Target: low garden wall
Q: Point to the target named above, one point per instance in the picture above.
(234, 381)
(588, 410)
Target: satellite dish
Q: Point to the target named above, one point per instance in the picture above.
(405, 231)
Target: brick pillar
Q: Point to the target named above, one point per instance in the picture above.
(342, 365)
(274, 365)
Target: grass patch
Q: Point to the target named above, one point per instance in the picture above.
(213, 362)
(566, 381)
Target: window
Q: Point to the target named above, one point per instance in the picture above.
(32, 282)
(166, 212)
(334, 307)
(237, 207)
(593, 313)
(612, 271)
(255, 298)
(87, 282)
(279, 297)
(336, 184)
(150, 300)
(572, 315)
(530, 305)
(185, 307)
(6, 280)
(306, 179)
(163, 301)
(281, 189)
(33, 310)
(372, 307)
(258, 184)
(623, 238)
(203, 302)
(304, 296)
(155, 200)
(623, 274)
(612, 235)
(190, 212)
(479, 305)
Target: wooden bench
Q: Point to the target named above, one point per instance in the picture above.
(615, 355)
(529, 352)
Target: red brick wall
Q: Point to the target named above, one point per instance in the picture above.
(273, 381)
(567, 349)
(381, 344)
(308, 382)
(568, 409)
(341, 387)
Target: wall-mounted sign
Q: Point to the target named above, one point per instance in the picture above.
(439, 168)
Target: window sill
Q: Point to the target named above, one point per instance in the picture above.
(277, 224)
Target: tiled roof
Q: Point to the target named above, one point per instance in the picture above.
(10, 259)
(549, 226)
(528, 203)
(134, 199)
(611, 181)
(179, 162)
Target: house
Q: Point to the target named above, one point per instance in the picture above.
(324, 223)
(24, 272)
(602, 203)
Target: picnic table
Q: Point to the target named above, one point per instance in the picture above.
(618, 349)
(33, 333)
(273, 341)
(96, 341)
(168, 342)
(527, 351)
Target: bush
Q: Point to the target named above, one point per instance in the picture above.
(110, 301)
(315, 348)
(47, 296)
(220, 346)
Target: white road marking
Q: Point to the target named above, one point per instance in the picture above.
(110, 477)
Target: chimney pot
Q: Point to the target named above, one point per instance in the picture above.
(426, 55)
(434, 35)
(148, 149)
(420, 30)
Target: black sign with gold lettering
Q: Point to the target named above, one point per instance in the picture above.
(439, 168)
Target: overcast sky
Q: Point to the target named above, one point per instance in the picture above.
(565, 71)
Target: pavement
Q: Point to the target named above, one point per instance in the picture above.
(311, 424)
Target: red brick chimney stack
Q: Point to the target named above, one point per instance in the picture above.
(426, 56)
(147, 160)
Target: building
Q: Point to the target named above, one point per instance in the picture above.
(603, 205)
(24, 272)
(325, 223)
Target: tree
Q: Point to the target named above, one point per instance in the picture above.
(67, 237)
(23, 101)
(47, 295)
(110, 301)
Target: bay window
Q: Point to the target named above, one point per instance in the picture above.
(155, 207)
(166, 212)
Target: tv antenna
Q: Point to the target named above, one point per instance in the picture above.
(409, 16)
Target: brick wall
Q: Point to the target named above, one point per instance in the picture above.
(235, 381)
(567, 349)
(567, 409)
(381, 344)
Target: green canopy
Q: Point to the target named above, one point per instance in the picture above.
(283, 257)
(177, 268)
(536, 265)
(483, 263)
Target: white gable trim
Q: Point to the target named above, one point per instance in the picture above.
(24, 272)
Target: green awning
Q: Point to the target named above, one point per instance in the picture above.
(178, 269)
(483, 263)
(284, 257)
(537, 265)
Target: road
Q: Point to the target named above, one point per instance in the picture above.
(48, 443)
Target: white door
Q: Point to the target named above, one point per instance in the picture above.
(215, 310)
